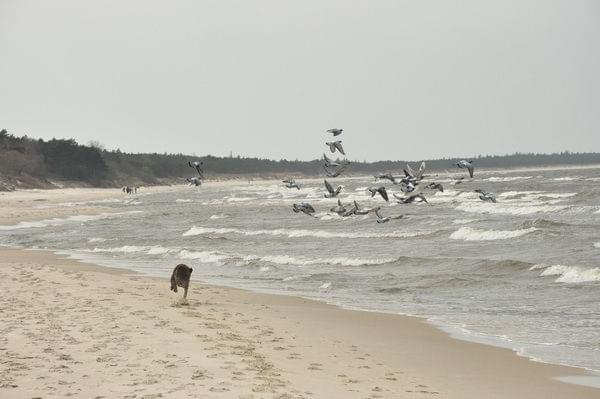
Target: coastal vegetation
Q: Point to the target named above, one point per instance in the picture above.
(27, 162)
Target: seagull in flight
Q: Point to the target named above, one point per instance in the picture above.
(379, 190)
(337, 171)
(291, 183)
(486, 196)
(305, 208)
(388, 176)
(411, 199)
(382, 219)
(336, 145)
(463, 164)
(194, 181)
(418, 175)
(335, 132)
(197, 165)
(331, 193)
(340, 209)
(435, 186)
(329, 163)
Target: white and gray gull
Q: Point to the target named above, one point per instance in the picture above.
(463, 164)
(194, 181)
(305, 208)
(435, 186)
(336, 145)
(340, 209)
(387, 176)
(411, 199)
(291, 183)
(335, 132)
(197, 165)
(331, 193)
(379, 190)
(382, 219)
(336, 172)
(329, 163)
(486, 196)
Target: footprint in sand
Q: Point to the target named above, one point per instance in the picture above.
(218, 389)
(315, 366)
(200, 375)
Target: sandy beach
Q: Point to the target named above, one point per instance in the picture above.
(80, 330)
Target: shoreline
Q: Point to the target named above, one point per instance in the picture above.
(423, 355)
(474, 354)
(452, 331)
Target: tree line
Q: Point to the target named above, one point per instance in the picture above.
(30, 162)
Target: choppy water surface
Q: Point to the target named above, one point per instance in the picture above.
(525, 271)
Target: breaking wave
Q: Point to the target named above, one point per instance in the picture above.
(295, 233)
(70, 219)
(569, 274)
(510, 209)
(564, 178)
(150, 250)
(240, 199)
(463, 221)
(542, 223)
(343, 261)
(509, 178)
(472, 234)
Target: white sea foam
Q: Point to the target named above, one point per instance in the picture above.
(509, 209)
(60, 221)
(295, 233)
(472, 234)
(158, 250)
(79, 203)
(183, 200)
(572, 274)
(342, 261)
(463, 221)
(564, 178)
(538, 266)
(96, 239)
(556, 195)
(150, 250)
(123, 249)
(218, 216)
(597, 244)
(325, 285)
(240, 199)
(204, 256)
(509, 178)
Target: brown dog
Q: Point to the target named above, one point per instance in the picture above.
(181, 278)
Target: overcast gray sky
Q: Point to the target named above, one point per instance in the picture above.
(405, 79)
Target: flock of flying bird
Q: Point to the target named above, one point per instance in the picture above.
(407, 183)
(334, 168)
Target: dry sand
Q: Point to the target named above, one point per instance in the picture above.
(73, 329)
